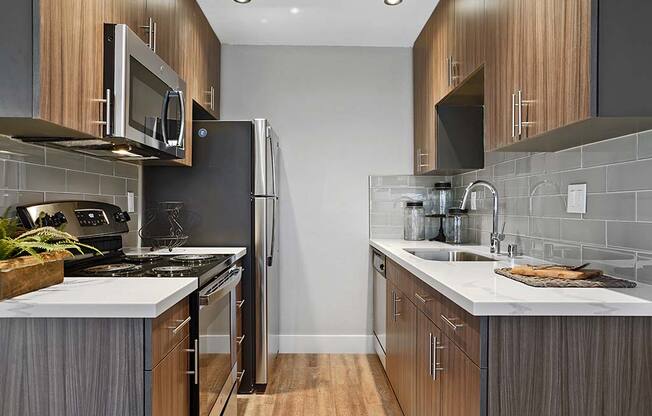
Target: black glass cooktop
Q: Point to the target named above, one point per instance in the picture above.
(151, 265)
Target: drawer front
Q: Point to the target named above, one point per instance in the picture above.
(169, 329)
(461, 327)
(427, 299)
(401, 278)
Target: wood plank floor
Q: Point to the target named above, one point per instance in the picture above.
(324, 384)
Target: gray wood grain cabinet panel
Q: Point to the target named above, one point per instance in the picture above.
(570, 366)
(70, 367)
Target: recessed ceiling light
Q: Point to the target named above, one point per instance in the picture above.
(294, 10)
(393, 2)
(242, 1)
(263, 20)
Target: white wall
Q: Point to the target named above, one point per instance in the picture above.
(342, 113)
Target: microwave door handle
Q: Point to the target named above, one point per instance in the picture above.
(164, 117)
(181, 141)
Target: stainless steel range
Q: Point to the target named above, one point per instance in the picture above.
(213, 306)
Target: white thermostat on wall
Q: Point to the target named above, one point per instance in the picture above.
(576, 199)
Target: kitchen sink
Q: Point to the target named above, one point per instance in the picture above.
(447, 255)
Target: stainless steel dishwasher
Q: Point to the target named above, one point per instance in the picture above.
(380, 305)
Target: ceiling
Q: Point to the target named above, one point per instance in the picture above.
(318, 22)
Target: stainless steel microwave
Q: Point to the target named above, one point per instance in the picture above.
(145, 98)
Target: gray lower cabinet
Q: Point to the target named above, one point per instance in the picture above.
(457, 364)
(95, 366)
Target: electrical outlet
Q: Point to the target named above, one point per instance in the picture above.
(576, 199)
(474, 201)
(131, 202)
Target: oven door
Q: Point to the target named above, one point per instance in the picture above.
(217, 314)
(148, 94)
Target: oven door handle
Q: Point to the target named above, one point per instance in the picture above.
(219, 289)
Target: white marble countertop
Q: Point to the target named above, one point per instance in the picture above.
(475, 287)
(84, 297)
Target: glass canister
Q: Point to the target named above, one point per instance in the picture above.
(442, 198)
(414, 221)
(457, 226)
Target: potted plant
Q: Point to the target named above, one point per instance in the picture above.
(31, 260)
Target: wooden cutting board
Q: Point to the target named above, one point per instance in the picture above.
(555, 272)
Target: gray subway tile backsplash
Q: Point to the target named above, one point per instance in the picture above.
(584, 231)
(63, 159)
(611, 151)
(41, 178)
(83, 182)
(110, 185)
(615, 233)
(618, 263)
(631, 176)
(32, 174)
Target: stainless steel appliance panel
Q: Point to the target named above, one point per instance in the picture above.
(265, 159)
(380, 305)
(266, 286)
(217, 350)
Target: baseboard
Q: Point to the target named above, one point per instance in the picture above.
(326, 344)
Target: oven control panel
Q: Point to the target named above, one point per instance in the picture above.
(80, 218)
(91, 217)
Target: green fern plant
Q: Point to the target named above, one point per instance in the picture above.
(16, 242)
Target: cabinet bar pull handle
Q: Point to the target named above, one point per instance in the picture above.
(520, 113)
(239, 340)
(239, 303)
(107, 112)
(513, 116)
(449, 322)
(450, 70)
(423, 299)
(436, 363)
(149, 27)
(396, 312)
(155, 36)
(430, 354)
(195, 373)
(240, 376)
(178, 328)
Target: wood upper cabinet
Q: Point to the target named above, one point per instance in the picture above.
(401, 347)
(502, 71)
(469, 38)
(130, 12)
(71, 66)
(428, 364)
(424, 105)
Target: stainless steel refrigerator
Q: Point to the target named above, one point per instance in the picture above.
(230, 197)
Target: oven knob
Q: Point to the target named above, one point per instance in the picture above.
(44, 220)
(58, 219)
(122, 216)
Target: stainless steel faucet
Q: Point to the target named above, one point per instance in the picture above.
(496, 237)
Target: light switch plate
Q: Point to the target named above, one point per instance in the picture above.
(576, 199)
(474, 201)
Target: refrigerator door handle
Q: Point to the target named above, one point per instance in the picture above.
(270, 257)
(273, 161)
